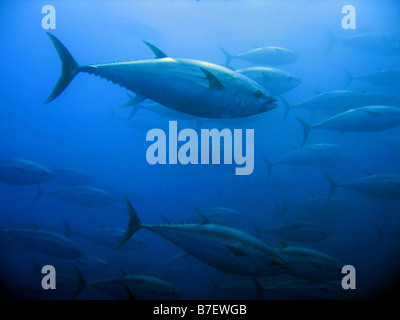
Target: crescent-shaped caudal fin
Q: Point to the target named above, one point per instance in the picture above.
(350, 78)
(228, 57)
(306, 129)
(333, 185)
(69, 68)
(134, 224)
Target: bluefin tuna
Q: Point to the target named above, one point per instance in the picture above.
(311, 155)
(376, 43)
(23, 172)
(226, 249)
(108, 237)
(383, 77)
(80, 195)
(310, 264)
(191, 86)
(364, 119)
(50, 243)
(386, 186)
(276, 81)
(133, 286)
(341, 100)
(268, 56)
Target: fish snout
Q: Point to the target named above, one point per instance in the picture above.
(281, 264)
(270, 103)
(296, 81)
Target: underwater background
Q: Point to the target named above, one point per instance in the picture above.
(85, 130)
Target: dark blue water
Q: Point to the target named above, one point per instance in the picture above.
(84, 129)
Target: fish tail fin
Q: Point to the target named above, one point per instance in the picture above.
(81, 283)
(380, 233)
(306, 130)
(39, 193)
(129, 294)
(215, 288)
(128, 103)
(333, 185)
(133, 102)
(350, 78)
(288, 107)
(69, 68)
(67, 228)
(331, 40)
(228, 56)
(269, 166)
(259, 288)
(134, 224)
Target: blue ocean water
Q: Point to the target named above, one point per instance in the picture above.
(84, 129)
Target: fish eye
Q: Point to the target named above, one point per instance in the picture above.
(258, 94)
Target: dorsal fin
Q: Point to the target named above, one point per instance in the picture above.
(203, 219)
(374, 113)
(121, 272)
(165, 219)
(67, 228)
(34, 226)
(315, 265)
(236, 251)
(282, 243)
(370, 173)
(159, 54)
(213, 81)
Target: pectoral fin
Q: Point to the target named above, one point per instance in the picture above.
(315, 265)
(180, 255)
(133, 101)
(212, 79)
(236, 251)
(374, 113)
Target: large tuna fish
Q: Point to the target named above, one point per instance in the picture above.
(224, 248)
(191, 86)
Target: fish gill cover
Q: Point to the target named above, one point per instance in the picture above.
(213, 95)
